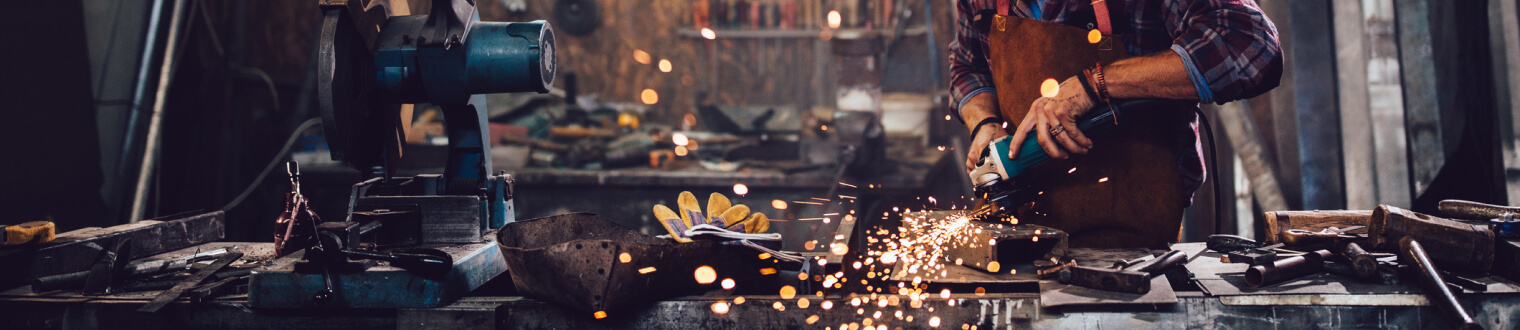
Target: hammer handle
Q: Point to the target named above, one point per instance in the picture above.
(1474, 210)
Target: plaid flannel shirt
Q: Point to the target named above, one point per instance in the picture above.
(1229, 48)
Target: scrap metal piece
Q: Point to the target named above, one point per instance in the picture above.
(1253, 257)
(1009, 244)
(109, 270)
(1463, 282)
(1434, 286)
(1228, 243)
(577, 260)
(1133, 279)
(76, 279)
(77, 250)
(173, 293)
(1286, 269)
(1363, 265)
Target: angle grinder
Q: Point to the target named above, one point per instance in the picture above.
(997, 176)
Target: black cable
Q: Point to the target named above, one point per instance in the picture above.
(1213, 167)
(272, 162)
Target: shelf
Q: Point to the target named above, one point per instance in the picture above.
(774, 33)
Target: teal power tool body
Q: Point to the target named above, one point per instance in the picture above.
(999, 176)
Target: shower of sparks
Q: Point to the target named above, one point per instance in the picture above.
(848, 185)
(646, 270)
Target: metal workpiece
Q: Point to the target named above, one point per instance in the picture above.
(1013, 244)
(588, 263)
(75, 280)
(1286, 269)
(1363, 265)
(1127, 277)
(1411, 253)
(1454, 244)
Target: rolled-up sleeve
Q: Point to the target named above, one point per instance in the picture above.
(1229, 46)
(969, 73)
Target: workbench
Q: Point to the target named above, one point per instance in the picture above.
(1394, 308)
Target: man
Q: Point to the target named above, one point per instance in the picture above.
(1199, 50)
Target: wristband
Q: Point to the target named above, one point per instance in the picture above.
(1101, 85)
(1087, 86)
(984, 122)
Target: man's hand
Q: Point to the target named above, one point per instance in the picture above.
(976, 109)
(1054, 121)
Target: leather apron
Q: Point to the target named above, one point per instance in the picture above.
(1125, 192)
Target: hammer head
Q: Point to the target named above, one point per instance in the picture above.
(1109, 279)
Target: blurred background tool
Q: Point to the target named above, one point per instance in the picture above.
(28, 232)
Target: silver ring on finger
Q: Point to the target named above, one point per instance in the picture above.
(1057, 130)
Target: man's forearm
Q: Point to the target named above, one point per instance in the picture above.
(1161, 75)
(979, 107)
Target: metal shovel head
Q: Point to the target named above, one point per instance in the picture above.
(578, 260)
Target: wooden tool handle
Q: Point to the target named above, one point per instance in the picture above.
(1300, 237)
(1279, 221)
(1474, 210)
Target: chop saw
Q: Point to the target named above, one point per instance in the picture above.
(418, 241)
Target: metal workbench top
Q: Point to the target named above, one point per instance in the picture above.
(990, 311)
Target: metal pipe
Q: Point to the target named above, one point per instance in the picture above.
(1430, 281)
(129, 141)
(150, 142)
(1362, 263)
(1286, 269)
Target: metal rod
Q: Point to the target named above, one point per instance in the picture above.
(150, 142)
(1431, 282)
(129, 141)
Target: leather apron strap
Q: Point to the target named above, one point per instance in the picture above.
(1124, 192)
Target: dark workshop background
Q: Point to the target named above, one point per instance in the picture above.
(1397, 102)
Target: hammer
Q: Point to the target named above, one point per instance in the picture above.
(1134, 278)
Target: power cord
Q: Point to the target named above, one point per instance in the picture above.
(272, 162)
(1213, 168)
